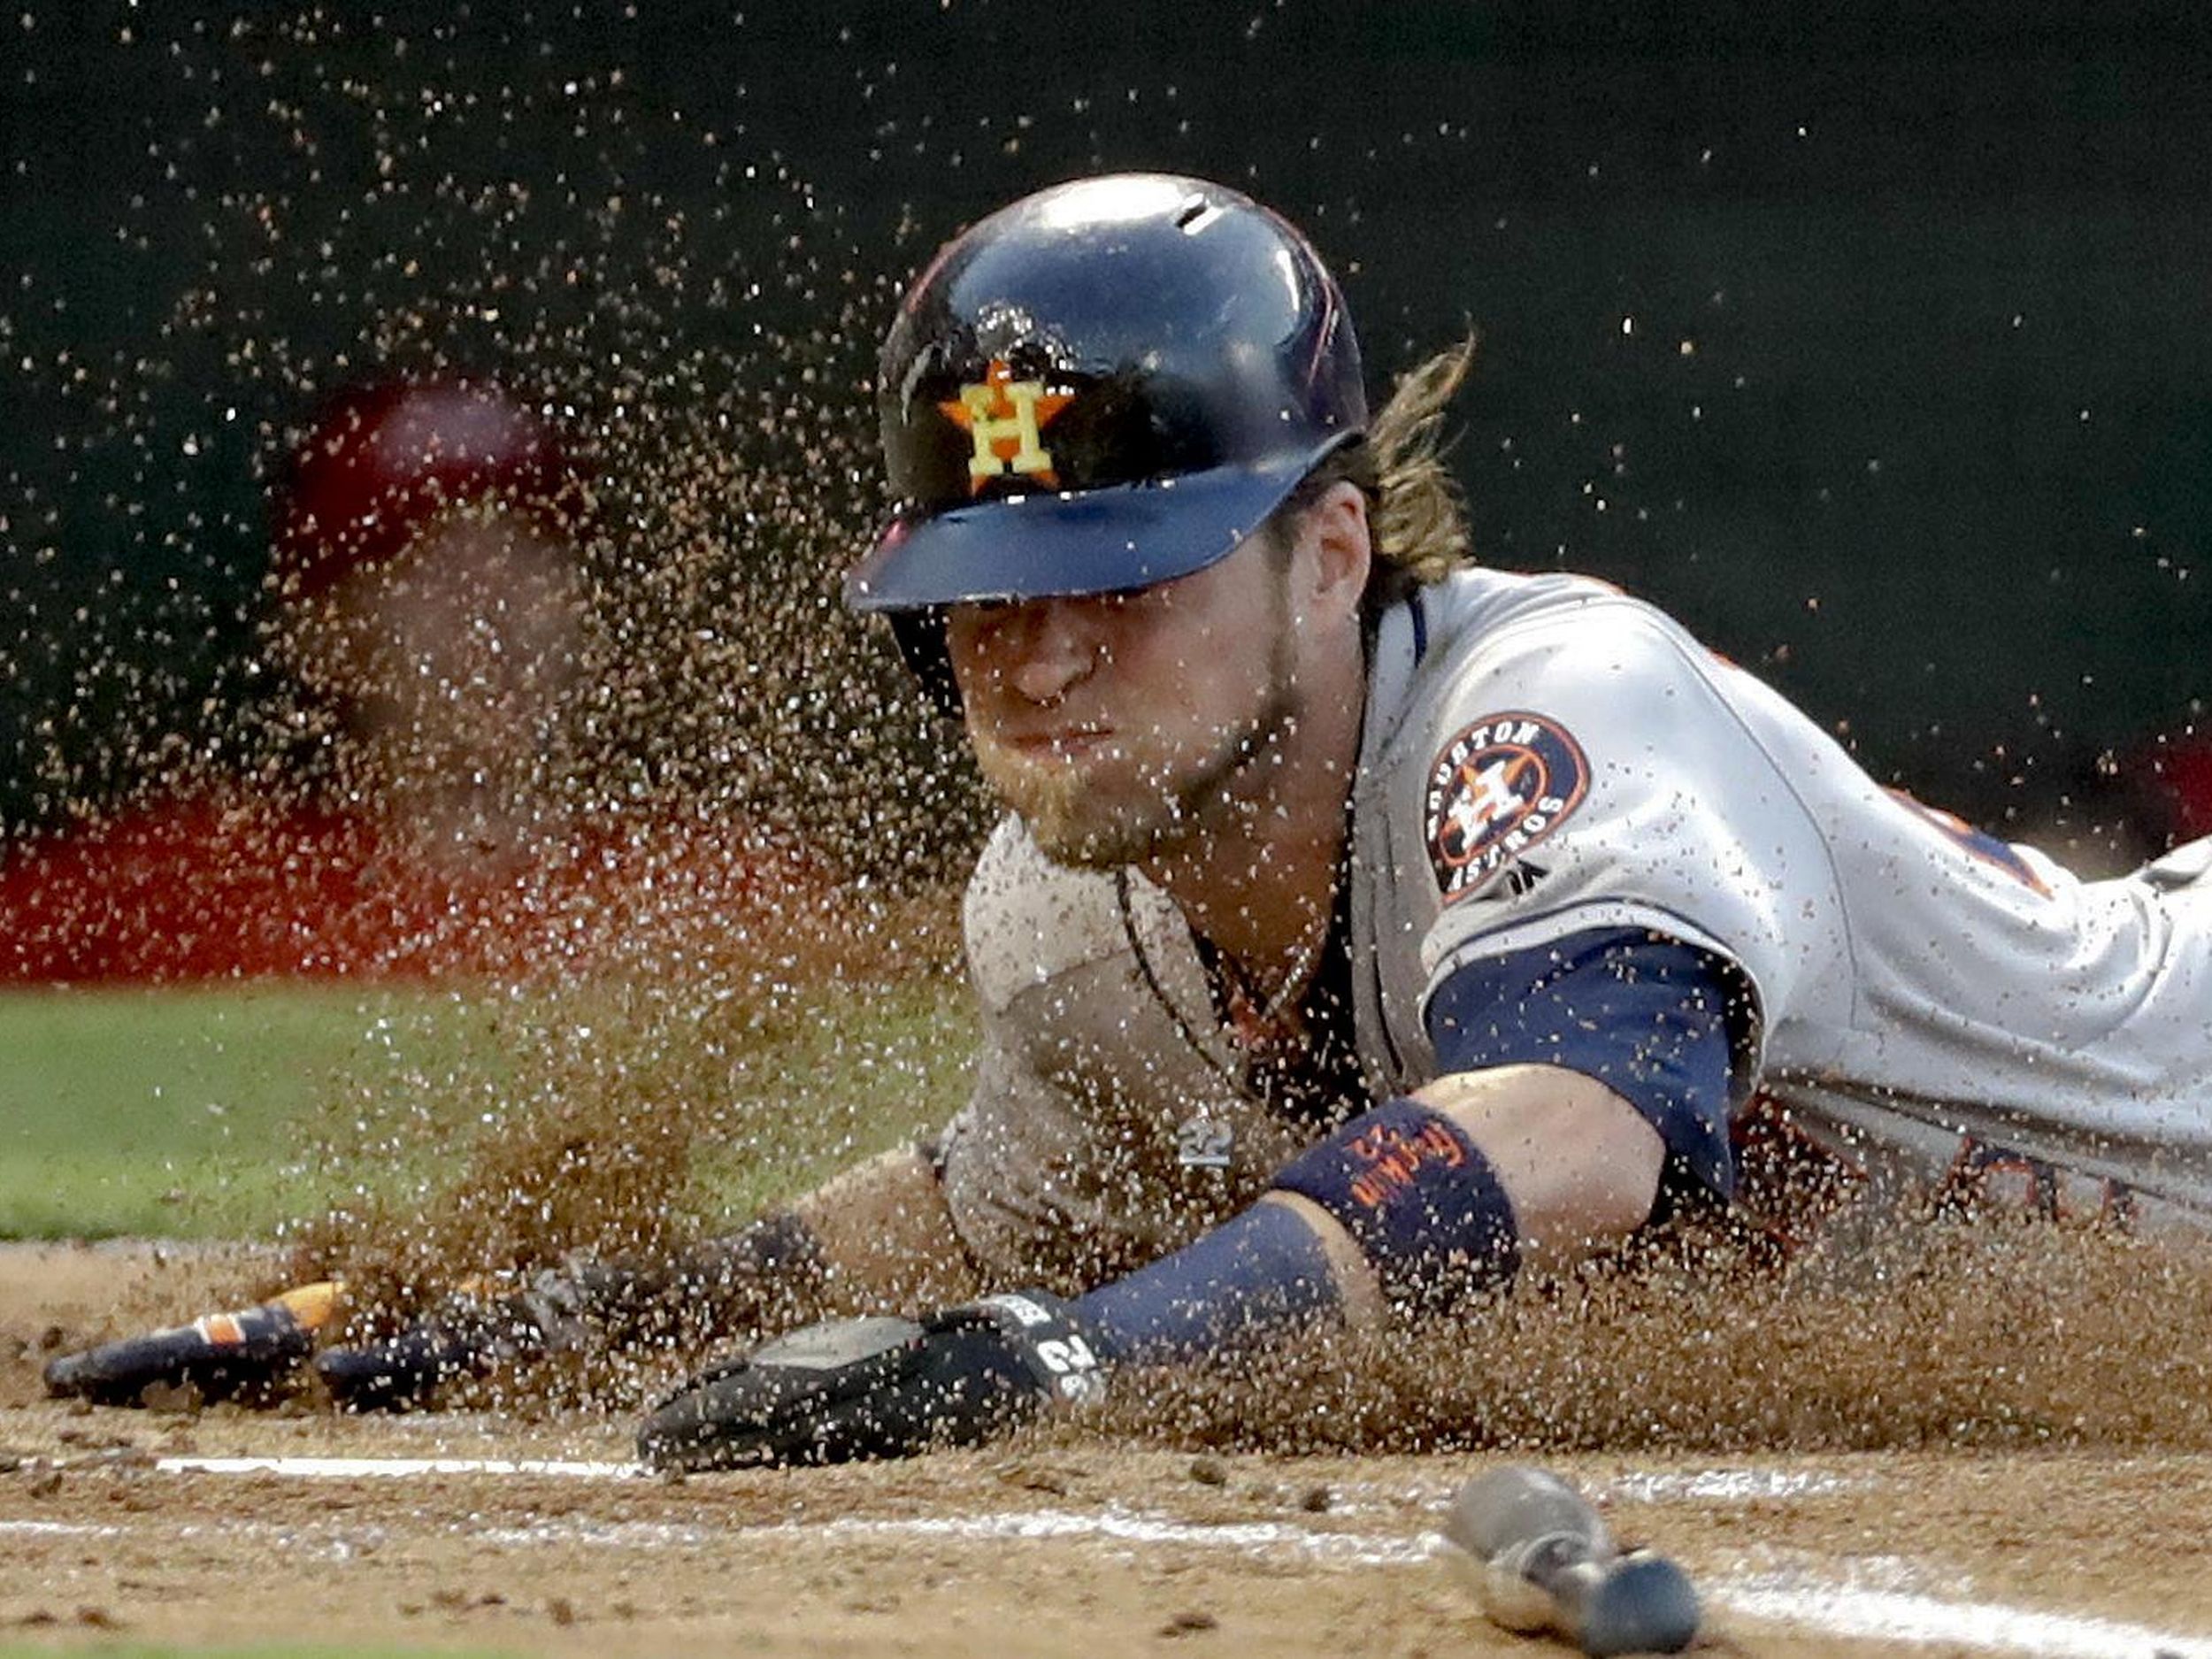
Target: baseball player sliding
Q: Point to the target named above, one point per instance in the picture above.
(1367, 928)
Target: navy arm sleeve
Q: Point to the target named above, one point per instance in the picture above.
(1649, 1016)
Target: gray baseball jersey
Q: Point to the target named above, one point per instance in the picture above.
(1543, 757)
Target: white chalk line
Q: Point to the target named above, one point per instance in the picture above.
(1114, 1524)
(1727, 1485)
(1871, 1614)
(399, 1468)
(1722, 1485)
(56, 1529)
(1803, 1598)
(1120, 1525)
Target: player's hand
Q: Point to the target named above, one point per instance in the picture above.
(879, 1386)
(756, 1279)
(252, 1354)
(474, 1333)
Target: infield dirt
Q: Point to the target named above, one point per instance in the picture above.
(1184, 1534)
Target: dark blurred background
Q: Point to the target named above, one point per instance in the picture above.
(1874, 339)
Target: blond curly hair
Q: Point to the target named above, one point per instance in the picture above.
(1416, 514)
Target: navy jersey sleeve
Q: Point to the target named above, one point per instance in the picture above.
(1657, 1021)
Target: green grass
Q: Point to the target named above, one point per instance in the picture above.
(857, 1070)
(182, 1113)
(191, 1113)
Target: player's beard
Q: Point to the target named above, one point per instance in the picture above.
(1133, 807)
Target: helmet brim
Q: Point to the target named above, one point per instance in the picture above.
(1059, 545)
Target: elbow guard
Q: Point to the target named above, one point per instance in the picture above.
(1419, 1200)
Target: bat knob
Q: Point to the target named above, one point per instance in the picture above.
(1644, 1604)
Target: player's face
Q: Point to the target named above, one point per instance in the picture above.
(1119, 725)
(450, 658)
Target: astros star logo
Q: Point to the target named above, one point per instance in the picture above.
(1007, 419)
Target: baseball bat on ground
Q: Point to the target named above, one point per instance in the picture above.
(219, 1354)
(1542, 1559)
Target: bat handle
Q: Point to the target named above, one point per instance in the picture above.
(218, 1352)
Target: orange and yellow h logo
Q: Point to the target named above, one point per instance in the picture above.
(1007, 417)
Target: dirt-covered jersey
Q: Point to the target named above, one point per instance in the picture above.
(1543, 757)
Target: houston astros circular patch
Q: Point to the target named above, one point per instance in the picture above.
(1496, 789)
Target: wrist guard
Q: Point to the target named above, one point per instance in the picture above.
(1419, 1200)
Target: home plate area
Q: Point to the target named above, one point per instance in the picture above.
(452, 1530)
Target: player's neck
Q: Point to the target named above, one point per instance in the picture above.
(1261, 879)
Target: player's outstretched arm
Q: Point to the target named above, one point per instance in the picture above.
(878, 1232)
(1412, 1207)
(881, 1232)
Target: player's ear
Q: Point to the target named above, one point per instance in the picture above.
(1336, 524)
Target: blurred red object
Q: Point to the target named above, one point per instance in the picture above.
(386, 461)
(429, 589)
(2179, 776)
(198, 890)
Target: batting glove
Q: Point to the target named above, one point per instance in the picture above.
(742, 1281)
(879, 1386)
(472, 1335)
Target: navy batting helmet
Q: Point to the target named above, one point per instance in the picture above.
(1108, 384)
